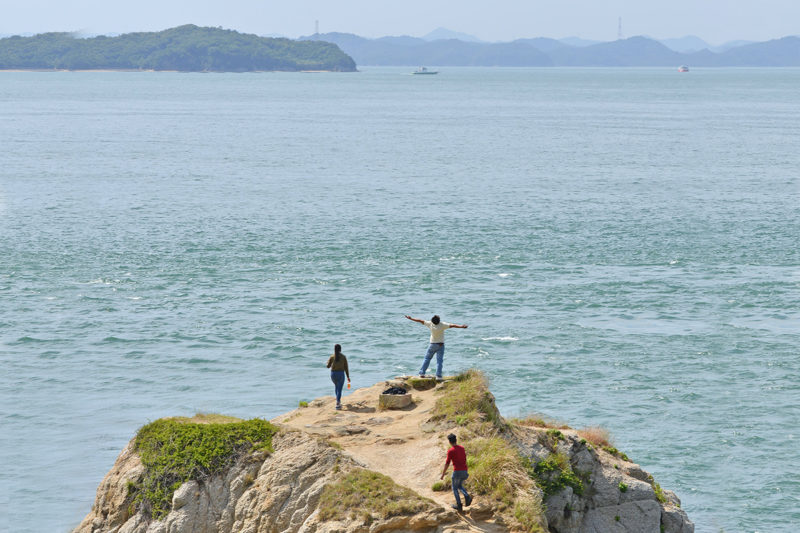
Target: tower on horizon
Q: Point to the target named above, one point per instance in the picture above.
(619, 30)
(316, 27)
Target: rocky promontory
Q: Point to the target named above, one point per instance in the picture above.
(372, 468)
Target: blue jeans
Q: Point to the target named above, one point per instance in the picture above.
(438, 349)
(458, 479)
(337, 376)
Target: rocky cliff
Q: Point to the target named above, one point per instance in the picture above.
(364, 469)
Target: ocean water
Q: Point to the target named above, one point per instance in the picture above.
(623, 244)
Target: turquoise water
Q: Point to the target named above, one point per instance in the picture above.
(623, 244)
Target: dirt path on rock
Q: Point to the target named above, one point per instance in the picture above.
(396, 443)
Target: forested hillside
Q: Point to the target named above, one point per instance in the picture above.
(185, 48)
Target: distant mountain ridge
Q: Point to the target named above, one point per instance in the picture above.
(443, 34)
(404, 51)
(686, 45)
(541, 51)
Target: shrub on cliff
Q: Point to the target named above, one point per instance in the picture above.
(176, 450)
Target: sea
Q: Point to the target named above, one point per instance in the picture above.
(624, 245)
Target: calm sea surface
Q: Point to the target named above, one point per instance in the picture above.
(622, 243)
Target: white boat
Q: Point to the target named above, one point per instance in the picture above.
(424, 70)
(683, 68)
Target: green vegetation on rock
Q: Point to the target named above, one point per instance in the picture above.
(187, 48)
(466, 401)
(554, 474)
(367, 494)
(660, 496)
(176, 450)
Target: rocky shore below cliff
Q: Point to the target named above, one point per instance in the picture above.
(368, 468)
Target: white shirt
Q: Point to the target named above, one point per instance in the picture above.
(437, 330)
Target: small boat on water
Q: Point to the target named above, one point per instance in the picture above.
(424, 70)
(683, 68)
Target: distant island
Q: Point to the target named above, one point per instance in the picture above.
(187, 48)
(545, 52)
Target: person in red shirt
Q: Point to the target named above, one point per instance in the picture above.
(458, 456)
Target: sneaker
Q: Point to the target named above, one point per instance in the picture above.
(338, 406)
(422, 375)
(457, 508)
(467, 500)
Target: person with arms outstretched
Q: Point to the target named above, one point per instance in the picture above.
(436, 346)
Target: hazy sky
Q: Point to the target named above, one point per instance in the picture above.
(716, 21)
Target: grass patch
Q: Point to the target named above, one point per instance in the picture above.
(366, 494)
(538, 421)
(554, 474)
(598, 436)
(528, 512)
(176, 450)
(623, 487)
(497, 470)
(466, 401)
(442, 485)
(302, 403)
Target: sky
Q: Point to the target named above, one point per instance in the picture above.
(715, 21)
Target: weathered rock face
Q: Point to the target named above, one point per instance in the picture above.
(617, 496)
(261, 494)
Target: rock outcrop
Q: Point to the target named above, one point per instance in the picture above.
(262, 493)
(616, 495)
(284, 490)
